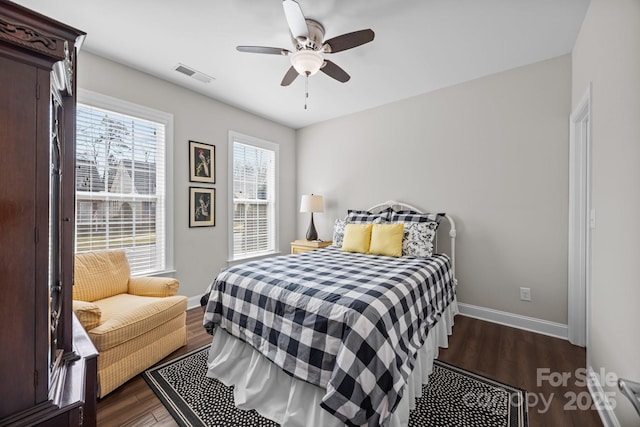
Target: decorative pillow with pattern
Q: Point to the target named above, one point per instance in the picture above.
(418, 239)
(411, 216)
(362, 217)
(338, 232)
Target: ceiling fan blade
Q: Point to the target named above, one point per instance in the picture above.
(295, 19)
(349, 40)
(332, 70)
(289, 77)
(262, 49)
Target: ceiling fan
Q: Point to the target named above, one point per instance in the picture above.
(307, 36)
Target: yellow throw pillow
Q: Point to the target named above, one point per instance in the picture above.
(357, 238)
(386, 239)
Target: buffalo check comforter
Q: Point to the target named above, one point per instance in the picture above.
(349, 323)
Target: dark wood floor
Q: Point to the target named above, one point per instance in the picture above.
(505, 354)
(514, 357)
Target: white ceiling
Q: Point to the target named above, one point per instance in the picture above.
(419, 46)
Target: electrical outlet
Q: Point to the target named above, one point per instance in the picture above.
(525, 294)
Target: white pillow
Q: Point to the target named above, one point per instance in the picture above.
(418, 239)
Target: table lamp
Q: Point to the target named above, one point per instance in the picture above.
(311, 203)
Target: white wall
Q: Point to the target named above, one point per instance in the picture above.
(607, 55)
(199, 253)
(493, 152)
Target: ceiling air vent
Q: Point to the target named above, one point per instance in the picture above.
(187, 71)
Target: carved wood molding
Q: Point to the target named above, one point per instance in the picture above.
(31, 38)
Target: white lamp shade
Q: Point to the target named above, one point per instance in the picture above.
(307, 61)
(311, 203)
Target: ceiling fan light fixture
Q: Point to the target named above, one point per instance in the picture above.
(307, 62)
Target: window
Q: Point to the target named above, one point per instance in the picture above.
(122, 195)
(253, 181)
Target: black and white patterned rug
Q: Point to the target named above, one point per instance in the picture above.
(453, 397)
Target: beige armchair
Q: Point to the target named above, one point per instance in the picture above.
(134, 322)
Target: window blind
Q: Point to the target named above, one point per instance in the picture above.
(120, 186)
(253, 200)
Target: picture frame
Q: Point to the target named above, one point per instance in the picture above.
(202, 162)
(202, 207)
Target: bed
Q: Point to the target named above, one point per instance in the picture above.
(330, 337)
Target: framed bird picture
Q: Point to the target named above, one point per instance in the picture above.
(202, 207)
(202, 162)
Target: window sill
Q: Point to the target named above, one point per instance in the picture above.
(262, 255)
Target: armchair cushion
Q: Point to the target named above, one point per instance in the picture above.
(153, 286)
(100, 275)
(87, 313)
(126, 316)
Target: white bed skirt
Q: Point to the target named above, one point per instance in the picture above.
(263, 386)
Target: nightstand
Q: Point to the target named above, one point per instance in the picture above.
(300, 246)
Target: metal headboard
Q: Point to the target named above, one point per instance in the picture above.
(631, 389)
(399, 206)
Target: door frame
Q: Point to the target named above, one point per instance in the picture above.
(581, 221)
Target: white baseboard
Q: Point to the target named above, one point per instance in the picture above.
(532, 324)
(607, 415)
(193, 302)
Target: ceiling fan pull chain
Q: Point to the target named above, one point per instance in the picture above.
(306, 91)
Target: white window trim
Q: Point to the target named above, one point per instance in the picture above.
(267, 145)
(125, 107)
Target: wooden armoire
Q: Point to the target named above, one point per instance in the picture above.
(47, 363)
